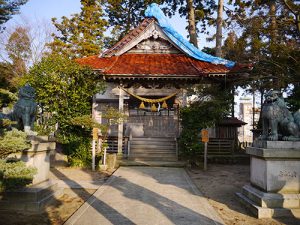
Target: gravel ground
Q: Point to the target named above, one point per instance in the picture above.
(220, 183)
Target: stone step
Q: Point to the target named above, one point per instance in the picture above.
(31, 193)
(271, 200)
(30, 199)
(261, 212)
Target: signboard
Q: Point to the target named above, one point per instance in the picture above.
(204, 135)
(95, 133)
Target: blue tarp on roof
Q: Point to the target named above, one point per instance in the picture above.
(153, 10)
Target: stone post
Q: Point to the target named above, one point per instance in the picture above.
(120, 126)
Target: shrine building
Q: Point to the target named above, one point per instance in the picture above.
(147, 74)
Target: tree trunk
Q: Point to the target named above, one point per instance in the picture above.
(192, 23)
(219, 29)
(273, 24)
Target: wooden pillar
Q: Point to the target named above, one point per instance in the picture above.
(184, 98)
(120, 126)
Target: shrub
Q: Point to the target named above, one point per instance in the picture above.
(78, 148)
(211, 106)
(13, 141)
(15, 174)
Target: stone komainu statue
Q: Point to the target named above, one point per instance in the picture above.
(277, 121)
(24, 110)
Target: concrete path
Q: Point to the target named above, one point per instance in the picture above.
(147, 195)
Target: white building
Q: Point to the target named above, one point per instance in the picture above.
(246, 115)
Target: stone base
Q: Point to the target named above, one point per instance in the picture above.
(111, 161)
(38, 156)
(276, 144)
(275, 170)
(274, 178)
(270, 205)
(102, 167)
(30, 199)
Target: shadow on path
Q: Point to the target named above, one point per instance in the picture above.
(115, 218)
(124, 210)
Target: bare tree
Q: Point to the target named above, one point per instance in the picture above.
(39, 33)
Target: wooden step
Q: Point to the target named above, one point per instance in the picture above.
(153, 149)
(153, 158)
(157, 139)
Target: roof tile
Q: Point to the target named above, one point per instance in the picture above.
(152, 64)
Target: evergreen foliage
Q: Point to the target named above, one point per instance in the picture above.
(204, 11)
(124, 15)
(269, 39)
(82, 156)
(8, 8)
(64, 89)
(13, 141)
(211, 106)
(83, 33)
(15, 174)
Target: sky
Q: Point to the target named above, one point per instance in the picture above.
(47, 9)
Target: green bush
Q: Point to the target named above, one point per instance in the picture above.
(13, 141)
(15, 174)
(78, 148)
(212, 105)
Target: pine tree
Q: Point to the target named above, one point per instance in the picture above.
(199, 14)
(270, 41)
(219, 34)
(124, 15)
(83, 33)
(9, 8)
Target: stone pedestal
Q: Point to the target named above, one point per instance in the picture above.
(38, 156)
(274, 189)
(34, 197)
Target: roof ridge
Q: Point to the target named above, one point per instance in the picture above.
(146, 22)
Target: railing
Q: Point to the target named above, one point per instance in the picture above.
(112, 143)
(218, 146)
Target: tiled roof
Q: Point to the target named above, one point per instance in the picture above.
(129, 37)
(152, 64)
(231, 121)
